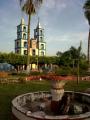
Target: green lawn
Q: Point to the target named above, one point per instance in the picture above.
(9, 91)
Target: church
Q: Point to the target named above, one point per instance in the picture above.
(37, 44)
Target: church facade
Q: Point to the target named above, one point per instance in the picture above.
(37, 44)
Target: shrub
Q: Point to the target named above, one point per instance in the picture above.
(3, 74)
(63, 71)
(19, 74)
(21, 80)
(36, 73)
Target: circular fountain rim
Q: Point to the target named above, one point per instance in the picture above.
(20, 109)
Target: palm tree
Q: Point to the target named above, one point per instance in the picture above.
(30, 7)
(87, 15)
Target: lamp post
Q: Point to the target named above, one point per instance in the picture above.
(73, 63)
(37, 63)
(78, 69)
(78, 72)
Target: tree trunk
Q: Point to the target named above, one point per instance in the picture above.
(89, 47)
(38, 54)
(28, 45)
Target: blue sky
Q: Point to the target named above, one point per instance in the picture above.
(63, 21)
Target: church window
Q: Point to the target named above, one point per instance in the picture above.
(24, 36)
(33, 52)
(42, 46)
(25, 44)
(41, 32)
(42, 53)
(24, 29)
(17, 44)
(18, 35)
(25, 52)
(40, 38)
(18, 28)
(18, 51)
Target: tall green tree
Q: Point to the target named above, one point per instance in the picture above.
(75, 53)
(87, 15)
(30, 7)
(59, 53)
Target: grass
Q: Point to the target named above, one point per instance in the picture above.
(82, 86)
(9, 91)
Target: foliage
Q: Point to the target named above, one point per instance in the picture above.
(30, 6)
(12, 58)
(66, 61)
(63, 71)
(59, 54)
(87, 10)
(69, 60)
(35, 73)
(21, 80)
(87, 15)
(16, 59)
(3, 74)
(72, 55)
(19, 74)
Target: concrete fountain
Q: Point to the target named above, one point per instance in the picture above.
(54, 105)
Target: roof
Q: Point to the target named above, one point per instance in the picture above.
(22, 21)
(39, 25)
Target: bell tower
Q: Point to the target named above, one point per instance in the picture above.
(21, 41)
(39, 35)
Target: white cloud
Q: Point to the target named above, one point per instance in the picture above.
(49, 3)
(65, 41)
(55, 4)
(69, 37)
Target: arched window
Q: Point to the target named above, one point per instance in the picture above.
(24, 36)
(25, 52)
(42, 53)
(33, 52)
(25, 44)
(24, 29)
(17, 51)
(18, 35)
(18, 28)
(42, 46)
(41, 32)
(40, 38)
(17, 44)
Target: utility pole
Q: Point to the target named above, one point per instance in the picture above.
(78, 69)
(78, 72)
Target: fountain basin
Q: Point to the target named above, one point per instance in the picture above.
(32, 106)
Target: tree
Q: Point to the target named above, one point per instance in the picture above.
(87, 15)
(59, 53)
(30, 7)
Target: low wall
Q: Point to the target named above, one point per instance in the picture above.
(86, 78)
(50, 77)
(22, 114)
